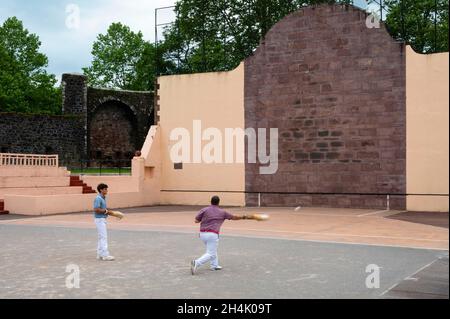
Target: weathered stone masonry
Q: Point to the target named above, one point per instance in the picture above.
(118, 122)
(42, 134)
(336, 91)
(98, 124)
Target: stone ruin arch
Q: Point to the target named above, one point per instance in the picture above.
(115, 121)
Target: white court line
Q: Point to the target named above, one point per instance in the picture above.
(324, 214)
(303, 212)
(40, 222)
(409, 277)
(373, 213)
(250, 229)
(336, 242)
(361, 215)
(250, 236)
(333, 234)
(277, 238)
(11, 221)
(55, 223)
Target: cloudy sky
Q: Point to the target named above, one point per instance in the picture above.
(68, 43)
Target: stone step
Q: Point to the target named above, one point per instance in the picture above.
(20, 171)
(36, 191)
(77, 183)
(33, 181)
(75, 180)
(2, 208)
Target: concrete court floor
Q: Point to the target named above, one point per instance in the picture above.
(310, 253)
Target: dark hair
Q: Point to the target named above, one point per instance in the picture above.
(215, 200)
(101, 186)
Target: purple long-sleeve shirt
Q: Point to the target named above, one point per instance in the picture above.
(211, 218)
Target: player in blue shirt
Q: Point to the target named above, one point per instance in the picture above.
(101, 215)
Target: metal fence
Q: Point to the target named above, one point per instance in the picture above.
(8, 159)
(101, 167)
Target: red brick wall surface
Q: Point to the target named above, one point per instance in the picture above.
(335, 89)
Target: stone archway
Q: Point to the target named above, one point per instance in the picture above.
(89, 104)
(112, 134)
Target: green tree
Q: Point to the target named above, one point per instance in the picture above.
(122, 60)
(25, 85)
(414, 22)
(146, 69)
(218, 35)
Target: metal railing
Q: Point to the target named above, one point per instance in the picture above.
(7, 159)
(101, 167)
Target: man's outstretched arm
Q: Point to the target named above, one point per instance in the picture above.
(237, 217)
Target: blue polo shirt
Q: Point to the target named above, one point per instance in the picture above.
(100, 202)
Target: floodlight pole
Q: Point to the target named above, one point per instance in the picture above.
(156, 34)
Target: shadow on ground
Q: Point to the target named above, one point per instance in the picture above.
(427, 218)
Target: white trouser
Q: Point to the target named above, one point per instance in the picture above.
(211, 241)
(102, 247)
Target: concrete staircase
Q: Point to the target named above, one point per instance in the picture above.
(2, 208)
(31, 177)
(76, 181)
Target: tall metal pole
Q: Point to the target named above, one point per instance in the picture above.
(156, 42)
(157, 69)
(435, 26)
(381, 10)
(203, 36)
(403, 20)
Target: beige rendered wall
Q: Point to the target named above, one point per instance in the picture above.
(427, 118)
(217, 99)
(33, 171)
(35, 191)
(116, 184)
(68, 203)
(140, 189)
(33, 181)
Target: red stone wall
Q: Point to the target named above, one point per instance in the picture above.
(113, 133)
(335, 89)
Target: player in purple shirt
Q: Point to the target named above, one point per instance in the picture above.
(211, 219)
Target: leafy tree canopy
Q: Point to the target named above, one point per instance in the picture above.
(25, 85)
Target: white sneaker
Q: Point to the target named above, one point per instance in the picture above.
(193, 267)
(216, 268)
(107, 258)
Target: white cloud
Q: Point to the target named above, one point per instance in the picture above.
(96, 18)
(70, 49)
(139, 15)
